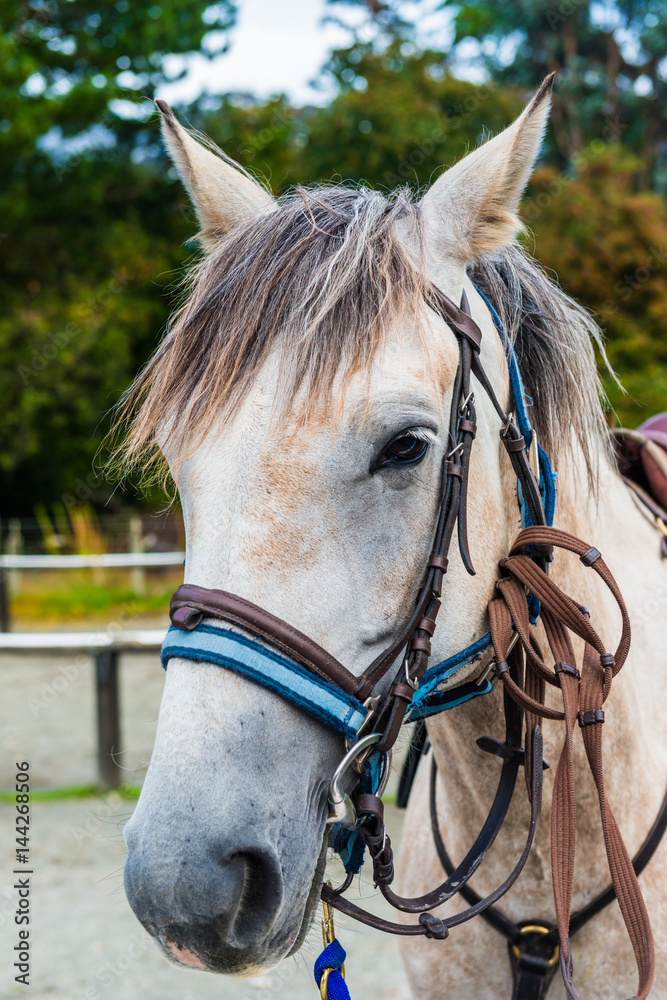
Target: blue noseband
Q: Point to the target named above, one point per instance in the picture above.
(327, 703)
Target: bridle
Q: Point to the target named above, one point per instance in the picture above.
(370, 709)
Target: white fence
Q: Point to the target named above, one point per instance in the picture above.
(105, 648)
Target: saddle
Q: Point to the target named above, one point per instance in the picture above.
(642, 462)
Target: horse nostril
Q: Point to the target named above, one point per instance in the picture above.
(260, 898)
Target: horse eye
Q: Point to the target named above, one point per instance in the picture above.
(404, 450)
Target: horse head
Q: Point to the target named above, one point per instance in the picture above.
(300, 398)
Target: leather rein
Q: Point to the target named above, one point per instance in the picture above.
(518, 662)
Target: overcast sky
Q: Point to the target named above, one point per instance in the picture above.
(279, 46)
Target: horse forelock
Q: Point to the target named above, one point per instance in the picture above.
(318, 284)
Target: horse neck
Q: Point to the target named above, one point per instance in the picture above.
(633, 737)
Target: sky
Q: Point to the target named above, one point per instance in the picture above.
(276, 46)
(279, 46)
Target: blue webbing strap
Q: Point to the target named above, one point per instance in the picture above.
(519, 396)
(333, 958)
(294, 683)
(428, 700)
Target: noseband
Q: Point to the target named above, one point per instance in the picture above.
(369, 709)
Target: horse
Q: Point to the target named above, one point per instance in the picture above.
(299, 401)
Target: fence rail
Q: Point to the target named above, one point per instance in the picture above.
(134, 560)
(105, 648)
(93, 561)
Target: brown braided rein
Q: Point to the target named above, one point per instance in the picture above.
(522, 671)
(584, 692)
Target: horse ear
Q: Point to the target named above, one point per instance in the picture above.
(224, 196)
(471, 209)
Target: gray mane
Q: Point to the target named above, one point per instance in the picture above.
(318, 283)
(555, 340)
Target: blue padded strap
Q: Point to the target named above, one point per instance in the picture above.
(292, 682)
(428, 700)
(442, 701)
(332, 957)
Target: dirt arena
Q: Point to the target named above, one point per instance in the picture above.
(86, 943)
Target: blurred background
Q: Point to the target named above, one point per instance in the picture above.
(96, 231)
(95, 236)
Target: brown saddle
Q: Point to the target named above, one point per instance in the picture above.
(642, 461)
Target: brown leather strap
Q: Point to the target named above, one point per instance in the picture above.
(583, 697)
(231, 608)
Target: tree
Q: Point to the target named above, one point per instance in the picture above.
(607, 243)
(90, 230)
(609, 57)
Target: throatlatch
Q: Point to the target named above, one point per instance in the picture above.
(356, 706)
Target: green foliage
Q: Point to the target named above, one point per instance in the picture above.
(607, 242)
(84, 605)
(608, 58)
(96, 228)
(91, 234)
(400, 119)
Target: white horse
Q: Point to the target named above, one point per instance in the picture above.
(300, 399)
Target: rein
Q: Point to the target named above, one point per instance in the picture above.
(369, 712)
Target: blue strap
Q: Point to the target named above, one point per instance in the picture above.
(292, 682)
(427, 694)
(516, 382)
(547, 475)
(349, 845)
(332, 957)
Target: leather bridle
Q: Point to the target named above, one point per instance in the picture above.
(380, 708)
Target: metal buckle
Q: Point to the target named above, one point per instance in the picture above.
(534, 457)
(454, 451)
(341, 808)
(510, 420)
(493, 663)
(372, 703)
(661, 525)
(410, 681)
(537, 929)
(464, 405)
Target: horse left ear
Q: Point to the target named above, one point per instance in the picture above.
(471, 209)
(223, 193)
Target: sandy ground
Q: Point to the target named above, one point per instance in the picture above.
(87, 944)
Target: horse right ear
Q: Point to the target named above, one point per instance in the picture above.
(224, 196)
(471, 210)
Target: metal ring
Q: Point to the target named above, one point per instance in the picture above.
(341, 808)
(493, 662)
(537, 929)
(324, 980)
(510, 420)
